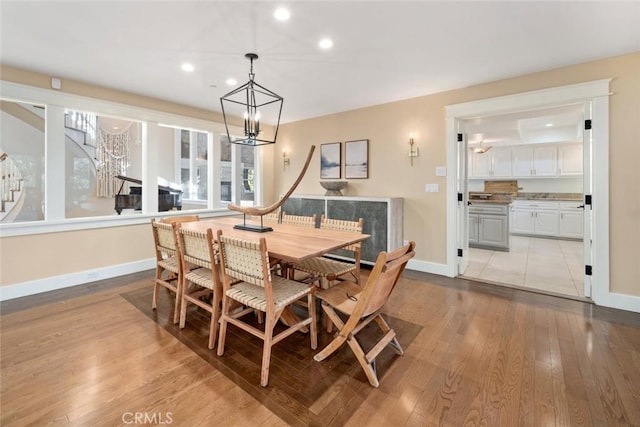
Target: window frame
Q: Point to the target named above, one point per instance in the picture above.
(56, 103)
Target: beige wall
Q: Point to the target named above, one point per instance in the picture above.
(388, 126)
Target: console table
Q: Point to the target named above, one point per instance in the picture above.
(383, 218)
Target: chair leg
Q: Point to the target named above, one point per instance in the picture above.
(222, 334)
(338, 340)
(367, 367)
(266, 350)
(215, 314)
(385, 328)
(177, 304)
(183, 305)
(154, 301)
(311, 302)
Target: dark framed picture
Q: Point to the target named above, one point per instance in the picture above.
(330, 160)
(356, 159)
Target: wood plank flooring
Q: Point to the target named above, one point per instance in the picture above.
(475, 354)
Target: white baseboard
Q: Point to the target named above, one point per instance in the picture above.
(619, 301)
(67, 280)
(428, 267)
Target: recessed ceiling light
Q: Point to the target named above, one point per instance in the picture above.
(325, 43)
(231, 82)
(116, 128)
(187, 67)
(549, 125)
(282, 14)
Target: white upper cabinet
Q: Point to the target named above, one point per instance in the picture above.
(528, 161)
(570, 159)
(534, 161)
(492, 164)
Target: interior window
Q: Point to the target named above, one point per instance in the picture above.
(99, 150)
(22, 151)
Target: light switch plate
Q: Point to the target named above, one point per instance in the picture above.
(441, 171)
(432, 188)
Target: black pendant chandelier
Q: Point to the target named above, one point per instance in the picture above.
(252, 102)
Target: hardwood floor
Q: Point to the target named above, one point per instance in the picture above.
(475, 354)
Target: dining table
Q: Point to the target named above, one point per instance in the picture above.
(288, 243)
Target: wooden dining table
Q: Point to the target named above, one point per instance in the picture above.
(287, 242)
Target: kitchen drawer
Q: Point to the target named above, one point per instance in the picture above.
(488, 209)
(571, 205)
(535, 204)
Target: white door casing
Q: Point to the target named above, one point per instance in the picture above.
(595, 93)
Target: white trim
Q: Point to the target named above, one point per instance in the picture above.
(428, 267)
(29, 94)
(596, 91)
(73, 224)
(620, 301)
(47, 284)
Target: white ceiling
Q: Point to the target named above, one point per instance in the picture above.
(383, 50)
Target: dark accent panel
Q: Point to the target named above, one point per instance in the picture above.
(305, 207)
(374, 215)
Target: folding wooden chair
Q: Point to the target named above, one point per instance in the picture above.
(362, 305)
(258, 289)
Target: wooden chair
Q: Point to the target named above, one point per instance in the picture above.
(180, 219)
(326, 270)
(168, 266)
(248, 262)
(362, 305)
(306, 221)
(200, 260)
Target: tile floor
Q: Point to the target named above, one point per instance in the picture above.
(549, 265)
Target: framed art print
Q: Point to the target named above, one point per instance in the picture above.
(330, 160)
(356, 159)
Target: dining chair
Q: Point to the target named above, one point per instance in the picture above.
(201, 284)
(363, 305)
(180, 219)
(258, 289)
(168, 266)
(306, 221)
(325, 270)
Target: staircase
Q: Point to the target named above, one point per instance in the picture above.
(82, 128)
(11, 188)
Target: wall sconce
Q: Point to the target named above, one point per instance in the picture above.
(285, 160)
(413, 152)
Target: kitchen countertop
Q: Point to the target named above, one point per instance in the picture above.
(552, 197)
(490, 202)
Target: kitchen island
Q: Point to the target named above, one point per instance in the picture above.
(489, 224)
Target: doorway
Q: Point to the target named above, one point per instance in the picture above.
(532, 160)
(594, 97)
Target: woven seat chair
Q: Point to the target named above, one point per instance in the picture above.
(326, 270)
(180, 219)
(363, 305)
(306, 221)
(258, 289)
(201, 271)
(168, 266)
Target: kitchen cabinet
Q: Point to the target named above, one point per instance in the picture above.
(495, 163)
(534, 161)
(571, 220)
(570, 160)
(548, 218)
(489, 226)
